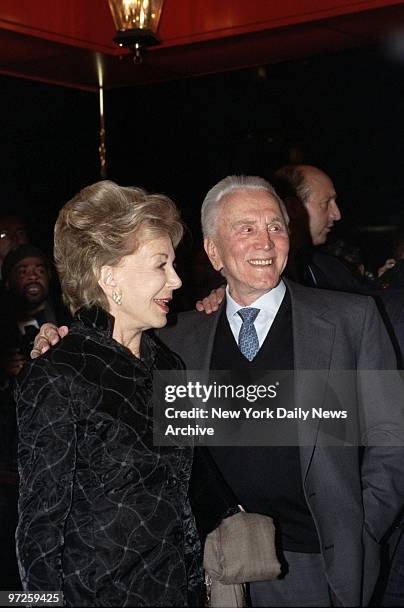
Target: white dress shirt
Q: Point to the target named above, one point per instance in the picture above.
(268, 305)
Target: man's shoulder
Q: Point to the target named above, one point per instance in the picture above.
(327, 299)
(184, 321)
(189, 334)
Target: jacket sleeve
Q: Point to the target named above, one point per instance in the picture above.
(381, 392)
(46, 461)
(211, 498)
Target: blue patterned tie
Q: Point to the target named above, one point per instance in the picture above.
(248, 339)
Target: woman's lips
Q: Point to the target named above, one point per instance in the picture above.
(163, 303)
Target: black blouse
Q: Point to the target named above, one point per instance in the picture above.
(103, 513)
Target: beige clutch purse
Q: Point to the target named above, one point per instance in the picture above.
(240, 550)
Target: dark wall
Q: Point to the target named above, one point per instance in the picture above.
(342, 111)
(48, 149)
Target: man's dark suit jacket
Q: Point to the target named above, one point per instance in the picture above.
(354, 494)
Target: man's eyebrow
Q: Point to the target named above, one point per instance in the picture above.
(160, 255)
(254, 221)
(241, 221)
(277, 218)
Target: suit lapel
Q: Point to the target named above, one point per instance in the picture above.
(198, 345)
(207, 333)
(313, 333)
(313, 339)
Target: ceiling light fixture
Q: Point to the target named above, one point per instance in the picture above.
(137, 23)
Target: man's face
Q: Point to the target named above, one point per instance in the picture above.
(12, 235)
(29, 280)
(321, 205)
(250, 243)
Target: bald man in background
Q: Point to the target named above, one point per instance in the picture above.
(311, 200)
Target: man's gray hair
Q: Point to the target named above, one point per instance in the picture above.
(210, 206)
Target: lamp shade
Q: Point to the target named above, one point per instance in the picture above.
(136, 14)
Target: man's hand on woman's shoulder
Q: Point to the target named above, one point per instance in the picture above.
(49, 335)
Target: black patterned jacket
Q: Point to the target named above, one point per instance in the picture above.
(103, 514)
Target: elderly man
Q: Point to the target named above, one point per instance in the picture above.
(311, 202)
(332, 505)
(326, 501)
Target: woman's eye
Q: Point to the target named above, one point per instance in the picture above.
(163, 264)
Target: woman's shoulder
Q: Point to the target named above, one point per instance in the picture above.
(41, 383)
(62, 360)
(53, 379)
(42, 371)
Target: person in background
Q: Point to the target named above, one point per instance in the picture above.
(313, 189)
(27, 278)
(311, 201)
(349, 254)
(12, 235)
(391, 273)
(104, 514)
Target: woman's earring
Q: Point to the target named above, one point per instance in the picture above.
(117, 296)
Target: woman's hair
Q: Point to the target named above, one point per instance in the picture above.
(100, 225)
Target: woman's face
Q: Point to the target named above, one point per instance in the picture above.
(146, 279)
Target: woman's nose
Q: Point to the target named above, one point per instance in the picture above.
(174, 281)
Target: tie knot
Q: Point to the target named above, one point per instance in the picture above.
(248, 315)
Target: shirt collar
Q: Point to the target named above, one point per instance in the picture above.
(268, 303)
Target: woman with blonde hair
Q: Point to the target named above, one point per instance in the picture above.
(104, 515)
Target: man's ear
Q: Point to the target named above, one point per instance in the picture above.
(213, 253)
(107, 280)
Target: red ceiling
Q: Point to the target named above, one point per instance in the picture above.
(62, 42)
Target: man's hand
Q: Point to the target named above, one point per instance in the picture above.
(212, 302)
(48, 336)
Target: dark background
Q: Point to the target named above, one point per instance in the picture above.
(341, 111)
